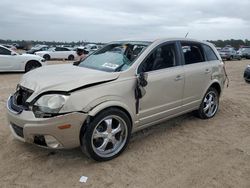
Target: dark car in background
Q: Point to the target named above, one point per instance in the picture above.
(245, 52)
(37, 48)
(247, 74)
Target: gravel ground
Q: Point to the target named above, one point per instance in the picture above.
(182, 152)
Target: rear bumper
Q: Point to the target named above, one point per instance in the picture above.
(26, 127)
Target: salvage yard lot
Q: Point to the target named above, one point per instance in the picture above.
(183, 152)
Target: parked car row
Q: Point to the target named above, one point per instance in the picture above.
(10, 60)
(230, 53)
(61, 52)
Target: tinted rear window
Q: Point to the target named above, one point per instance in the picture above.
(193, 52)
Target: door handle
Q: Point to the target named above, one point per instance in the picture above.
(179, 77)
(207, 71)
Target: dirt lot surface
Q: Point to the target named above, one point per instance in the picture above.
(183, 152)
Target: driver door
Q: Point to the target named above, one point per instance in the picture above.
(164, 91)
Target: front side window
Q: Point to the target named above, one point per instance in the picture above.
(162, 57)
(57, 49)
(210, 55)
(4, 51)
(193, 53)
(115, 57)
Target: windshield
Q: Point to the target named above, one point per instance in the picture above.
(115, 57)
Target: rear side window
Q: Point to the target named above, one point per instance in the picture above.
(210, 55)
(61, 49)
(193, 52)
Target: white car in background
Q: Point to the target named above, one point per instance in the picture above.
(58, 53)
(91, 48)
(11, 61)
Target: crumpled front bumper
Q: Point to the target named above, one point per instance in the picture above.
(26, 127)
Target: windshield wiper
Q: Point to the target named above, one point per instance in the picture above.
(126, 62)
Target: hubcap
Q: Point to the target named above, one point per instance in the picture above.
(210, 104)
(109, 136)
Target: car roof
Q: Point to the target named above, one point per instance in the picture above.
(4, 47)
(161, 40)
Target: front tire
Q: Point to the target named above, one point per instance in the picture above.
(209, 105)
(32, 65)
(107, 135)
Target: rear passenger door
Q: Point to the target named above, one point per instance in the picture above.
(196, 72)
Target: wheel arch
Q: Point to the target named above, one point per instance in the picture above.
(216, 85)
(104, 106)
(111, 104)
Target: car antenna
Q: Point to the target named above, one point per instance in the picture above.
(186, 34)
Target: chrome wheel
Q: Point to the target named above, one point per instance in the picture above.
(210, 104)
(109, 136)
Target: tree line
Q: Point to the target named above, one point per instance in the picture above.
(219, 43)
(234, 43)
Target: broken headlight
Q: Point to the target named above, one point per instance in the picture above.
(50, 104)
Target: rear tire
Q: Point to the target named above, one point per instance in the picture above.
(107, 135)
(32, 65)
(209, 105)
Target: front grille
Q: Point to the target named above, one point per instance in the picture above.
(21, 96)
(18, 130)
(17, 103)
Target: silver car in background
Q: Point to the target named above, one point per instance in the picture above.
(229, 54)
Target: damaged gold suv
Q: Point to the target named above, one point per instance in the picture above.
(122, 88)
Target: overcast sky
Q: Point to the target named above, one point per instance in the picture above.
(107, 20)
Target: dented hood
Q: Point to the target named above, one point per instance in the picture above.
(63, 78)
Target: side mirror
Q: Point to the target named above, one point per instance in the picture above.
(143, 79)
(141, 83)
